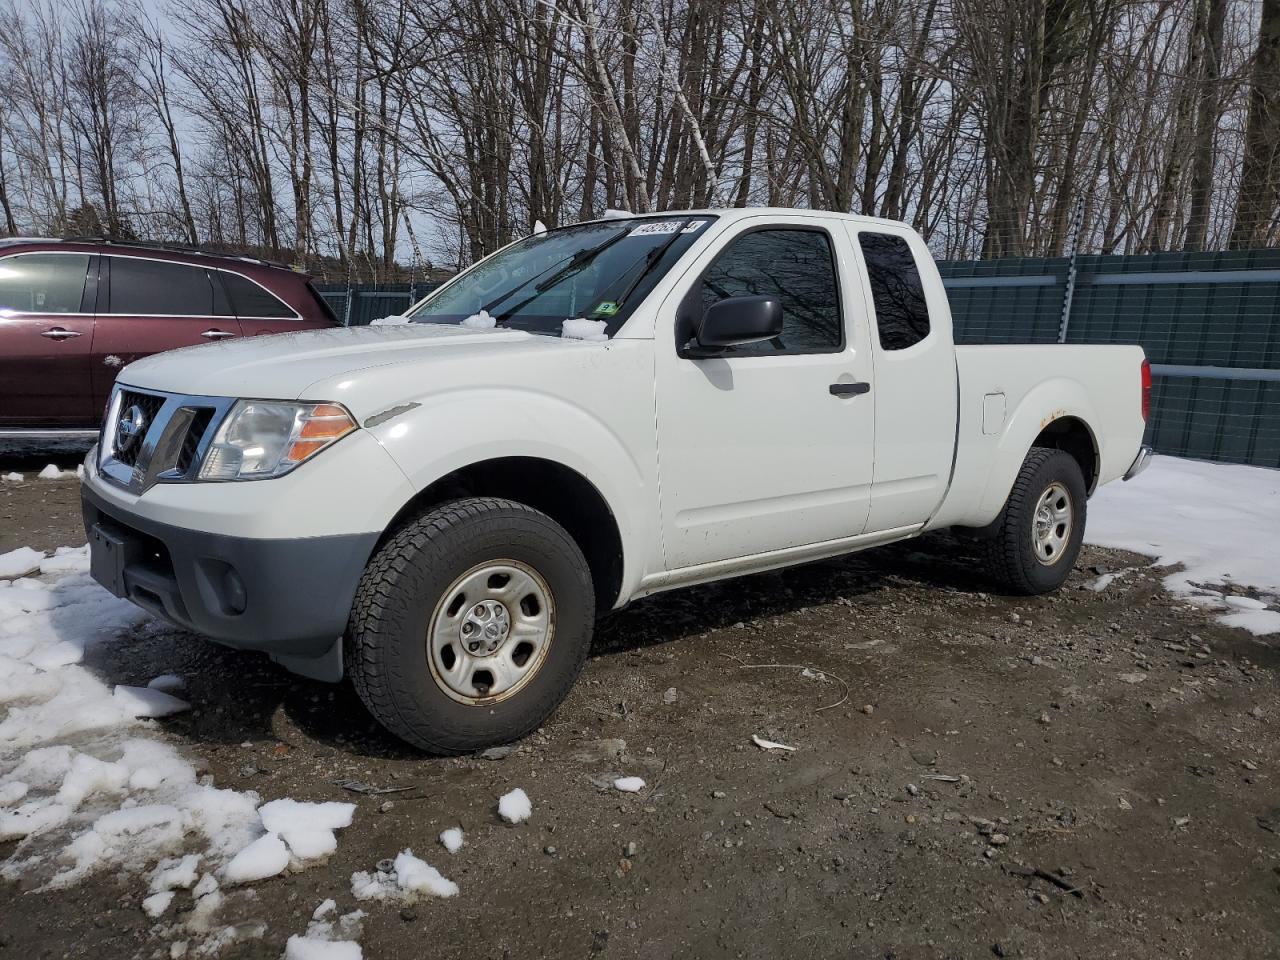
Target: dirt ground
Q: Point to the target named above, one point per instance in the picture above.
(1119, 741)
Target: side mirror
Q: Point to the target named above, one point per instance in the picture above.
(737, 320)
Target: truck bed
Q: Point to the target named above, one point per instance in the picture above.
(1000, 387)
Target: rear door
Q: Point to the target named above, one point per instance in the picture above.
(258, 309)
(147, 306)
(46, 328)
(915, 370)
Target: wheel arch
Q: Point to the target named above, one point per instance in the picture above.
(1072, 435)
(559, 491)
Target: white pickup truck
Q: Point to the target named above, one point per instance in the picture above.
(441, 508)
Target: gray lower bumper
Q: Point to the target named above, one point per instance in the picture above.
(287, 598)
(1140, 462)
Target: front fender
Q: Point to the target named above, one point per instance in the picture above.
(463, 427)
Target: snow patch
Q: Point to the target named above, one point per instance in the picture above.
(1221, 521)
(581, 328)
(14, 477)
(313, 948)
(157, 904)
(328, 939)
(480, 321)
(167, 682)
(452, 839)
(394, 320)
(515, 806)
(406, 879)
(147, 702)
(628, 784)
(84, 790)
(265, 857)
(20, 563)
(51, 472)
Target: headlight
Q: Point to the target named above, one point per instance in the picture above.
(267, 438)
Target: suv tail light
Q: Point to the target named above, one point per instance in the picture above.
(1146, 390)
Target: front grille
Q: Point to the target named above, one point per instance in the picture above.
(157, 437)
(149, 405)
(200, 421)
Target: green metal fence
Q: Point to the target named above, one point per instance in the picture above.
(1210, 323)
(358, 303)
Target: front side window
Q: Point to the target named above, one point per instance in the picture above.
(42, 283)
(595, 271)
(154, 287)
(902, 316)
(797, 267)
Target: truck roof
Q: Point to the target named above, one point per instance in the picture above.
(738, 213)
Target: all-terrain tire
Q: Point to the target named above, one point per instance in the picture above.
(1012, 556)
(386, 647)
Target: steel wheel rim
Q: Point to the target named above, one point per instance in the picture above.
(1051, 524)
(490, 632)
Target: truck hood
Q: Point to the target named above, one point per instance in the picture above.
(283, 366)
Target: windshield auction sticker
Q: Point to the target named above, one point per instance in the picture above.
(656, 228)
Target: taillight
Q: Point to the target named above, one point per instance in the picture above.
(1146, 390)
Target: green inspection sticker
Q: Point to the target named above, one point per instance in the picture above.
(605, 308)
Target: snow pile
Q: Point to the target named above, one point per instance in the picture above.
(406, 878)
(452, 839)
(515, 806)
(82, 787)
(394, 320)
(147, 702)
(51, 472)
(1221, 521)
(19, 563)
(480, 321)
(582, 329)
(628, 784)
(328, 939)
(14, 477)
(66, 560)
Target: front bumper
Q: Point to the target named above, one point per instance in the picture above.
(287, 597)
(1140, 462)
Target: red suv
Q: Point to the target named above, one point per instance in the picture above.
(73, 313)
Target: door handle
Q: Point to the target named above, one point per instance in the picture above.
(217, 334)
(849, 389)
(57, 333)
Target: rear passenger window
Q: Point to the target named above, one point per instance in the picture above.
(902, 316)
(797, 267)
(42, 283)
(248, 299)
(157, 288)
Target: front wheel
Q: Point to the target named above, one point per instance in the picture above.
(470, 625)
(1039, 532)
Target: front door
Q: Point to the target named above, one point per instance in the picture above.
(770, 445)
(46, 328)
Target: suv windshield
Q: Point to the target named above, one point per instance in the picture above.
(595, 271)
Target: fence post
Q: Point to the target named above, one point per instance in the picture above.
(1073, 238)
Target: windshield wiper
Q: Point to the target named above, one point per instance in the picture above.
(652, 257)
(575, 262)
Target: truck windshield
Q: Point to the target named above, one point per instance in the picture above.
(595, 271)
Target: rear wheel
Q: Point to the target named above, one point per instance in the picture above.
(1039, 532)
(470, 625)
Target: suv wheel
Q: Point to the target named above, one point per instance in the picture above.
(470, 625)
(1039, 532)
